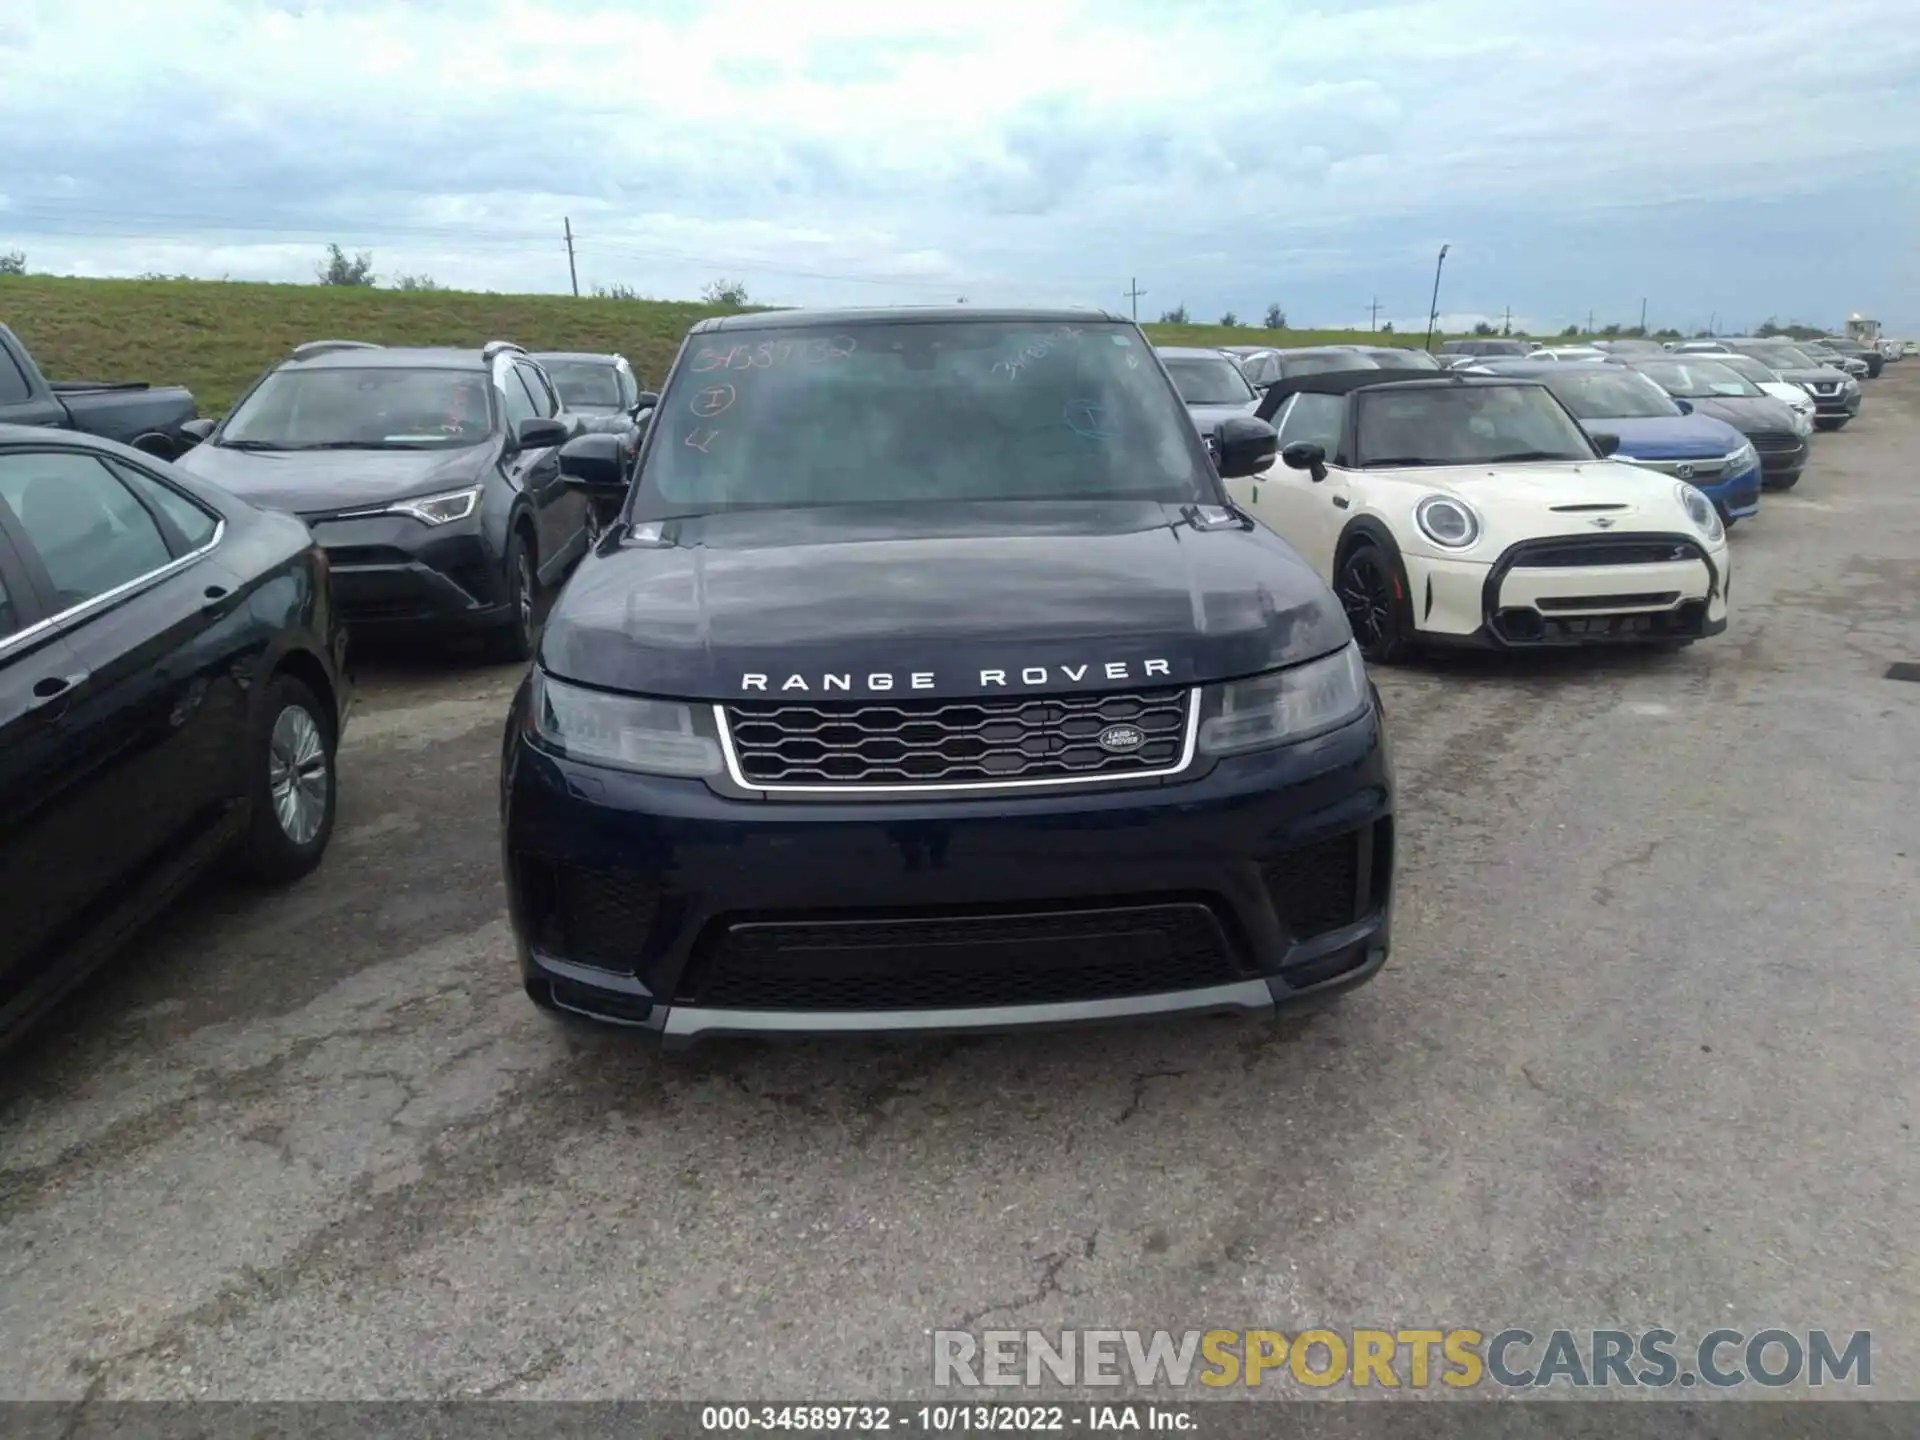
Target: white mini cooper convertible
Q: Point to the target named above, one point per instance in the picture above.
(1465, 510)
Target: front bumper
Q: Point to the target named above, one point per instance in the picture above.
(661, 905)
(1782, 465)
(390, 573)
(1834, 407)
(1574, 590)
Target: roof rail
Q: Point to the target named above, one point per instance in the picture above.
(321, 347)
(500, 347)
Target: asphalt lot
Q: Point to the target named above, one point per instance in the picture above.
(1643, 1056)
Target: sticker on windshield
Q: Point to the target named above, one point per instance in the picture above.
(1088, 419)
(1123, 342)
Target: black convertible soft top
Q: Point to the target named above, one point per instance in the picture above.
(1343, 382)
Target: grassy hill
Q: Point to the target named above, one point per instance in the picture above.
(215, 337)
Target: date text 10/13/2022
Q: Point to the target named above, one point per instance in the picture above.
(960, 1419)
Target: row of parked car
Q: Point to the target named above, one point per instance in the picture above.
(176, 595)
(982, 569)
(1733, 417)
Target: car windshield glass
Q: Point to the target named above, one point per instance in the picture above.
(376, 408)
(1398, 358)
(1790, 357)
(1747, 366)
(1610, 395)
(1206, 381)
(1698, 378)
(1470, 424)
(1326, 362)
(584, 382)
(913, 412)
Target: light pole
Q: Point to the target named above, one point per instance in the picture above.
(1433, 308)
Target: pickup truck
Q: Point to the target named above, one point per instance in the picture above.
(134, 413)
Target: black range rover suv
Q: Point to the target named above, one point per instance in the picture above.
(926, 679)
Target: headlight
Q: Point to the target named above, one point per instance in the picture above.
(1802, 423)
(1743, 457)
(1287, 705)
(1447, 522)
(439, 509)
(1700, 510)
(652, 737)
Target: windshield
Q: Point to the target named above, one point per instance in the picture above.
(1207, 381)
(584, 383)
(377, 408)
(1785, 357)
(1610, 395)
(1746, 365)
(1699, 378)
(908, 412)
(1325, 361)
(1401, 358)
(1467, 425)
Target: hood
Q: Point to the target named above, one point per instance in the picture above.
(1205, 417)
(1527, 502)
(1746, 413)
(310, 482)
(1067, 595)
(1669, 437)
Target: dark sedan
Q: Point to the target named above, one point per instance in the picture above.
(432, 476)
(1702, 385)
(172, 689)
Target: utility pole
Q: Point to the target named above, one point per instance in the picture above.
(1433, 306)
(1373, 314)
(1712, 320)
(1134, 295)
(1507, 329)
(1589, 324)
(572, 272)
(1643, 316)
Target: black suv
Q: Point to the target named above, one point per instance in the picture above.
(431, 477)
(927, 679)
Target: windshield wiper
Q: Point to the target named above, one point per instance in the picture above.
(249, 445)
(1373, 460)
(1519, 455)
(358, 445)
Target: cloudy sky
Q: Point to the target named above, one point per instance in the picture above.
(1721, 159)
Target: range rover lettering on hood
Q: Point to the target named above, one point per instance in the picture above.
(1031, 676)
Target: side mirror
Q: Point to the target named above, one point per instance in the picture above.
(646, 400)
(194, 431)
(161, 447)
(542, 432)
(1685, 406)
(1305, 455)
(595, 465)
(1606, 442)
(1243, 445)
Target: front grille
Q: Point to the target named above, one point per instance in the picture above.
(1628, 550)
(1526, 626)
(948, 961)
(1826, 387)
(1773, 440)
(339, 555)
(590, 916)
(1685, 469)
(930, 742)
(1608, 602)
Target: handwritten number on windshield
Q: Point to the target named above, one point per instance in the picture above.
(770, 353)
